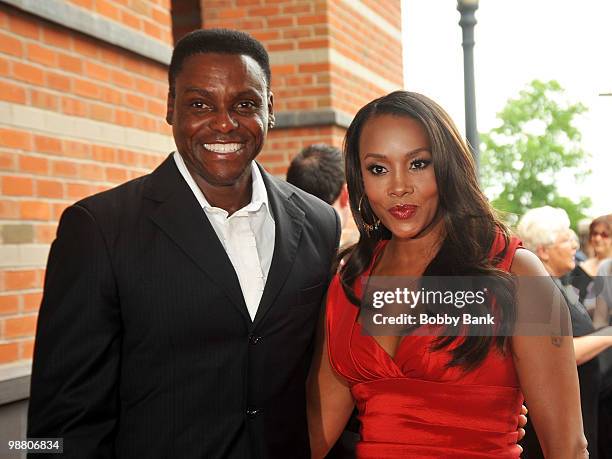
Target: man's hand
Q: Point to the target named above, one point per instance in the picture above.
(522, 422)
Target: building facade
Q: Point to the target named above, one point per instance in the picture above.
(83, 87)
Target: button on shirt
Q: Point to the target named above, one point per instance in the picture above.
(247, 235)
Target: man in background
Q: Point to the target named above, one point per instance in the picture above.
(319, 170)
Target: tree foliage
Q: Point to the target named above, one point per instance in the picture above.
(536, 143)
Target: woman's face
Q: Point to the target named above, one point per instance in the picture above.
(601, 241)
(398, 174)
(558, 257)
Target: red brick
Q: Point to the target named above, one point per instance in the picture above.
(96, 71)
(131, 20)
(44, 144)
(156, 108)
(9, 209)
(64, 169)
(76, 191)
(42, 55)
(17, 186)
(116, 175)
(21, 280)
(31, 301)
(15, 139)
(122, 79)
(152, 29)
(58, 210)
(310, 44)
(9, 352)
(58, 81)
(312, 19)
(86, 47)
(24, 26)
(283, 21)
(87, 4)
(10, 45)
(134, 101)
(7, 161)
(101, 153)
(9, 304)
(161, 17)
(299, 8)
(124, 118)
(45, 233)
(57, 37)
(69, 63)
(106, 8)
(26, 349)
(110, 95)
(101, 112)
(91, 172)
(49, 189)
(44, 99)
(20, 326)
(34, 164)
(28, 73)
(285, 46)
(34, 210)
(12, 92)
(75, 107)
(76, 149)
(111, 57)
(86, 88)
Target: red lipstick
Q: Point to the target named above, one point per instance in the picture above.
(403, 211)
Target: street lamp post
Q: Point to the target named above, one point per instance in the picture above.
(468, 8)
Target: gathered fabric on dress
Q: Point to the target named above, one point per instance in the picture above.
(412, 404)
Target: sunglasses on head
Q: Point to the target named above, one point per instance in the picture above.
(603, 234)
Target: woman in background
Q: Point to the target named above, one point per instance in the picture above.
(601, 243)
(415, 197)
(546, 232)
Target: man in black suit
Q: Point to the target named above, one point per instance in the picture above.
(179, 308)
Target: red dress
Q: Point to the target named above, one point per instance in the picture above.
(411, 405)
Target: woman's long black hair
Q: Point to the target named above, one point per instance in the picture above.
(470, 225)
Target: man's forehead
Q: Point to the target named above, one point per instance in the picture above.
(239, 66)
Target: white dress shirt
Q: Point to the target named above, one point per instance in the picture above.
(247, 235)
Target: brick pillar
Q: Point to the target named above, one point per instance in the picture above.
(329, 58)
(82, 106)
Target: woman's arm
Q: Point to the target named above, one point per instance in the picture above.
(329, 400)
(546, 368)
(589, 346)
(601, 314)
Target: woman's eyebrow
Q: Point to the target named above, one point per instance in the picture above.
(408, 154)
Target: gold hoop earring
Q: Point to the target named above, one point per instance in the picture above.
(369, 228)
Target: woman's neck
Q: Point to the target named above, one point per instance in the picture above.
(411, 256)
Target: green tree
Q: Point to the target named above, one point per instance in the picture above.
(535, 143)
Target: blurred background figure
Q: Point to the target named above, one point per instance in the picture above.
(598, 246)
(600, 242)
(546, 232)
(319, 170)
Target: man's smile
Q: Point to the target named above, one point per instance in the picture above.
(223, 148)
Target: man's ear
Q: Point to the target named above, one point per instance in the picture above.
(170, 107)
(271, 107)
(344, 197)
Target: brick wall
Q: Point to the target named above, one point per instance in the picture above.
(79, 114)
(76, 115)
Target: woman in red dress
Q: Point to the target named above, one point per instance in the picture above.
(415, 197)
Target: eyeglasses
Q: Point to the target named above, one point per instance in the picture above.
(603, 234)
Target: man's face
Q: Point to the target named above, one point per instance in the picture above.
(219, 115)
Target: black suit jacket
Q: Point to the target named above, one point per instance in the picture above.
(144, 346)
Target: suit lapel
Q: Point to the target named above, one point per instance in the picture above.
(289, 222)
(180, 216)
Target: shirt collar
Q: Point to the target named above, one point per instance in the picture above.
(259, 194)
